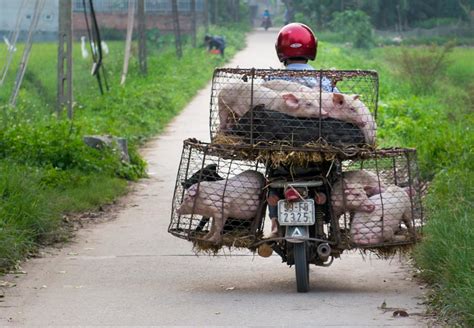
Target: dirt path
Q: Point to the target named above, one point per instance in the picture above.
(130, 271)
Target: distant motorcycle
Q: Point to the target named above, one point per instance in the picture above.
(266, 22)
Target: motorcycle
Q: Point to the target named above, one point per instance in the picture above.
(307, 233)
(266, 22)
(320, 214)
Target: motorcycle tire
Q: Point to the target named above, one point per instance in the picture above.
(301, 267)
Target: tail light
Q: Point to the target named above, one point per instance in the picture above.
(293, 194)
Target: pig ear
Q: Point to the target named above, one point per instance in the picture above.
(192, 191)
(355, 97)
(290, 100)
(338, 99)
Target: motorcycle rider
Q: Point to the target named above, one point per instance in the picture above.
(266, 19)
(296, 44)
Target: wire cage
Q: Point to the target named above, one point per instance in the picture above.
(218, 200)
(376, 200)
(372, 202)
(275, 108)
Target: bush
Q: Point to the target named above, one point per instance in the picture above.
(422, 67)
(354, 27)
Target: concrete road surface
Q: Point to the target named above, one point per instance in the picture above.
(130, 271)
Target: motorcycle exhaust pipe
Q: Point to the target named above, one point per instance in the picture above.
(324, 251)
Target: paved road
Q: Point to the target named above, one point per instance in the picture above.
(130, 271)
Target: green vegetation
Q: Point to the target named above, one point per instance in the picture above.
(438, 121)
(387, 14)
(353, 27)
(47, 171)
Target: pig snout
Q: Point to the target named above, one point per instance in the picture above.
(369, 208)
(356, 198)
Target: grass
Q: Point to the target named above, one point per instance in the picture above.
(39, 156)
(47, 171)
(439, 124)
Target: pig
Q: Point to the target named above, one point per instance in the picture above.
(286, 85)
(369, 180)
(238, 197)
(350, 109)
(351, 198)
(347, 108)
(358, 186)
(392, 207)
(234, 100)
(209, 173)
(270, 126)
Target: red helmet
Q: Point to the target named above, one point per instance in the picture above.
(296, 40)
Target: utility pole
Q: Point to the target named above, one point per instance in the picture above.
(177, 32)
(142, 51)
(65, 59)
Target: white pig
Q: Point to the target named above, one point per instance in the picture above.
(237, 197)
(349, 108)
(286, 85)
(234, 100)
(392, 207)
(370, 181)
(349, 199)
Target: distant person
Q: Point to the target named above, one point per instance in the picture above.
(215, 44)
(266, 19)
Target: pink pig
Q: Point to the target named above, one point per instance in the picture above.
(349, 199)
(349, 108)
(391, 208)
(237, 197)
(234, 100)
(369, 180)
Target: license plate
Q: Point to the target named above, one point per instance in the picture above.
(296, 213)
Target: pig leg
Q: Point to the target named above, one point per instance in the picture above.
(406, 218)
(211, 230)
(223, 117)
(216, 236)
(388, 234)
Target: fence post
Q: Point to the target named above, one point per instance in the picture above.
(64, 88)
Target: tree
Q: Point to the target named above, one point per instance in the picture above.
(354, 26)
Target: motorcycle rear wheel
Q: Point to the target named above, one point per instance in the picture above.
(301, 267)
